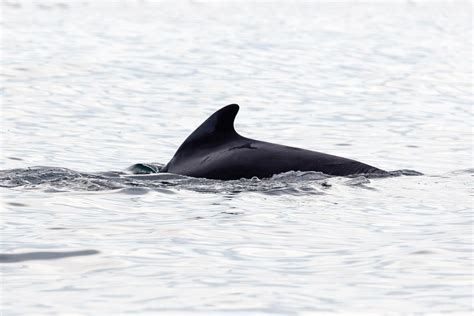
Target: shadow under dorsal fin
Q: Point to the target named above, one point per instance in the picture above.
(219, 125)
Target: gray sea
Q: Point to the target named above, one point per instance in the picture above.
(90, 88)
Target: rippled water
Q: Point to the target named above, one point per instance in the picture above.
(91, 88)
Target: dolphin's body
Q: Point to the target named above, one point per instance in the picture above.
(215, 151)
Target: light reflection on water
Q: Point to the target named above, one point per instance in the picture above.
(96, 87)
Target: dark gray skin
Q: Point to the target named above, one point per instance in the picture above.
(215, 151)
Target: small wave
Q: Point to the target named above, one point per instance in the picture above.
(463, 171)
(404, 172)
(144, 168)
(55, 178)
(299, 176)
(35, 176)
(358, 181)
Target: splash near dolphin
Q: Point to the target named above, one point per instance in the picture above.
(216, 151)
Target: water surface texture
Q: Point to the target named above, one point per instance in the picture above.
(91, 88)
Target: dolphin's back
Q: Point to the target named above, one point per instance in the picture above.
(216, 151)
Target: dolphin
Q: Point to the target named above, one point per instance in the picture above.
(216, 151)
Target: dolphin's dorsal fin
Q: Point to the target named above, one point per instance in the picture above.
(218, 126)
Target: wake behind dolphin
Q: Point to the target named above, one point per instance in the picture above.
(216, 151)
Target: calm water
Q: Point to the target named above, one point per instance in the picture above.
(93, 87)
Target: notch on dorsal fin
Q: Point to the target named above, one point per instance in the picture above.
(219, 125)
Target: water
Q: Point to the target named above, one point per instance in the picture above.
(91, 88)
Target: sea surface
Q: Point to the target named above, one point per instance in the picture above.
(90, 88)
